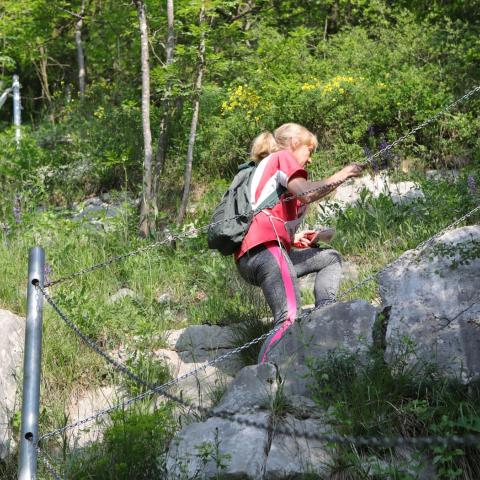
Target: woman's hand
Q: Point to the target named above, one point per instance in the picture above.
(352, 170)
(304, 238)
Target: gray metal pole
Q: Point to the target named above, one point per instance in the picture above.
(17, 107)
(31, 367)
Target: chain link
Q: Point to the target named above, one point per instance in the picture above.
(196, 230)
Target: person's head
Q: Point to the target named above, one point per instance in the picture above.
(289, 136)
(297, 140)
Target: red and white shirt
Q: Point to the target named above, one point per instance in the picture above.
(281, 221)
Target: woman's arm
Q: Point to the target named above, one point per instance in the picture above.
(298, 185)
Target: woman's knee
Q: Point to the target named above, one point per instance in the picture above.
(331, 257)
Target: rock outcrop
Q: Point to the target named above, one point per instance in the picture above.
(435, 303)
(345, 326)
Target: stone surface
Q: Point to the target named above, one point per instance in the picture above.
(122, 293)
(200, 337)
(344, 326)
(163, 297)
(100, 212)
(291, 456)
(83, 405)
(253, 388)
(11, 357)
(350, 193)
(435, 302)
(202, 387)
(239, 448)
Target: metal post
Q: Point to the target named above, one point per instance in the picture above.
(17, 107)
(31, 367)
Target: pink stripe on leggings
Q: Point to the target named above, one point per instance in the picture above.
(276, 251)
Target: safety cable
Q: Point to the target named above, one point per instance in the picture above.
(162, 388)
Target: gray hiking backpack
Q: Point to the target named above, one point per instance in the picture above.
(234, 214)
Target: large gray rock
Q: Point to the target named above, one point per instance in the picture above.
(220, 448)
(203, 386)
(342, 327)
(11, 348)
(401, 192)
(435, 300)
(192, 349)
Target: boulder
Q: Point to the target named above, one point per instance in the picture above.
(435, 302)
(202, 387)
(349, 192)
(11, 350)
(249, 437)
(343, 326)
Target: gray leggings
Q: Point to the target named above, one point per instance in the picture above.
(275, 272)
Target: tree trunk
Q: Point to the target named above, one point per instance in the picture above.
(80, 54)
(193, 127)
(162, 136)
(43, 75)
(147, 221)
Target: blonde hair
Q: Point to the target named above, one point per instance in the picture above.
(267, 143)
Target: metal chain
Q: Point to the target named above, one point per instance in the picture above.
(44, 458)
(421, 246)
(95, 347)
(360, 440)
(161, 388)
(195, 230)
(117, 365)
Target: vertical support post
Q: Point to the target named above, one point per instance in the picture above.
(31, 367)
(17, 107)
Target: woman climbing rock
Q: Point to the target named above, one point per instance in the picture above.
(272, 255)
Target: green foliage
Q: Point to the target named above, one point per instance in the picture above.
(131, 448)
(359, 73)
(371, 398)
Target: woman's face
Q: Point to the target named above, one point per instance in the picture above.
(301, 151)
